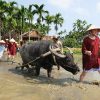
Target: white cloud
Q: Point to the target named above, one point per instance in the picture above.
(61, 3)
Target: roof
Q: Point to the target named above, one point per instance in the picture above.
(46, 37)
(33, 33)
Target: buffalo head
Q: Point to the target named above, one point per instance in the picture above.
(66, 61)
(68, 64)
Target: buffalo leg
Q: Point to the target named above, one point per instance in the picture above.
(22, 67)
(49, 72)
(37, 71)
(58, 67)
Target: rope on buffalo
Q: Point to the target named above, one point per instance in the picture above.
(37, 58)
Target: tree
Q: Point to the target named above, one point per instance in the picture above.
(39, 11)
(20, 19)
(17, 17)
(30, 15)
(10, 9)
(78, 32)
(62, 33)
(48, 19)
(3, 4)
(70, 42)
(22, 13)
(58, 20)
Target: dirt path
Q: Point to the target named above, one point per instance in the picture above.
(15, 85)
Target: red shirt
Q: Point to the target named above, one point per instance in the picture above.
(12, 48)
(93, 46)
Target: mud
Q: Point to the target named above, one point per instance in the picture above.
(18, 85)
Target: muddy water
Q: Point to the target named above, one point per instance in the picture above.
(17, 85)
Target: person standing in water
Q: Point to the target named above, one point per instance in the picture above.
(90, 52)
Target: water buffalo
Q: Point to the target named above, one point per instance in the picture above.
(30, 52)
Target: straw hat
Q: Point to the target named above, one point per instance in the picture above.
(7, 39)
(12, 40)
(92, 27)
(2, 41)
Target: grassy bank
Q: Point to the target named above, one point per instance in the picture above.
(74, 50)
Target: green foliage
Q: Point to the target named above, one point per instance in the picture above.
(75, 36)
(21, 19)
(58, 20)
(70, 42)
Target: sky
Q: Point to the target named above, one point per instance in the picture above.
(71, 10)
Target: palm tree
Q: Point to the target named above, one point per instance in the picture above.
(39, 11)
(2, 14)
(30, 14)
(17, 17)
(22, 15)
(10, 9)
(58, 20)
(48, 19)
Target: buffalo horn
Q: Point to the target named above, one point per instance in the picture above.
(54, 51)
(70, 50)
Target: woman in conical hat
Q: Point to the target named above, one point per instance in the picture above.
(12, 48)
(12, 40)
(90, 49)
(92, 27)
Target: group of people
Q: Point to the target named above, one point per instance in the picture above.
(10, 46)
(90, 50)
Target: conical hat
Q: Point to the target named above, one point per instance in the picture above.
(92, 27)
(7, 39)
(2, 41)
(12, 40)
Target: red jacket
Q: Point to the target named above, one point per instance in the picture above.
(12, 47)
(93, 46)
